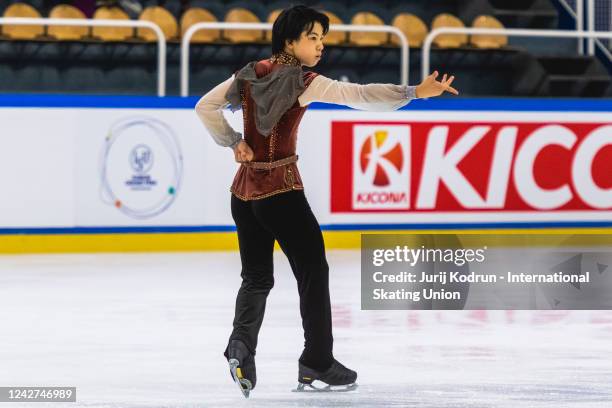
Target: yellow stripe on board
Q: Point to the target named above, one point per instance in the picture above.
(121, 242)
(223, 241)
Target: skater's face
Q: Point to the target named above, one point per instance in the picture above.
(309, 47)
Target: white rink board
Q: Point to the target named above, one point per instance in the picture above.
(52, 161)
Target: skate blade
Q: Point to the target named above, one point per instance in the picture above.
(244, 385)
(319, 386)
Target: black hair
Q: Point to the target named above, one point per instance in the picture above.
(292, 21)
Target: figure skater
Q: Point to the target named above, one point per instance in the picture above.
(267, 194)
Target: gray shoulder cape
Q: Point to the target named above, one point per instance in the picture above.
(273, 93)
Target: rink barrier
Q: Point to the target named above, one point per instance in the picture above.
(23, 243)
(223, 237)
(177, 102)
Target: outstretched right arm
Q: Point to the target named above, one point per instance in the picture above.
(376, 96)
(371, 97)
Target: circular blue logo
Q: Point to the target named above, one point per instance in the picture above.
(141, 158)
(141, 166)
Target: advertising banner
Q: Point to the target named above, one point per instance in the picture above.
(156, 166)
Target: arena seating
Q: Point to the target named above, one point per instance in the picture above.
(412, 26)
(242, 15)
(111, 33)
(488, 41)
(163, 19)
(67, 33)
(449, 40)
(123, 60)
(25, 32)
(199, 15)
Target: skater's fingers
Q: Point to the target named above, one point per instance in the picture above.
(247, 154)
(443, 78)
(452, 90)
(434, 75)
(448, 81)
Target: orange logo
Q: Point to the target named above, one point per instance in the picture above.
(370, 150)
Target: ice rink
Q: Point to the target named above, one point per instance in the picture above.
(148, 330)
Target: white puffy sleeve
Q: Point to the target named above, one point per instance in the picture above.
(210, 111)
(371, 97)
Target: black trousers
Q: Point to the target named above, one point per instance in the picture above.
(288, 219)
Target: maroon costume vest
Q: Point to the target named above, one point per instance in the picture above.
(273, 169)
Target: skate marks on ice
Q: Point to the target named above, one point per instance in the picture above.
(148, 330)
(439, 396)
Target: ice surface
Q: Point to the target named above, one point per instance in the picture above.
(148, 330)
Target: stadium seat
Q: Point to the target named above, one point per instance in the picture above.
(488, 41)
(174, 7)
(271, 18)
(336, 7)
(206, 77)
(259, 9)
(242, 15)
(198, 15)
(448, 40)
(67, 33)
(412, 26)
(77, 78)
(379, 9)
(424, 11)
(367, 39)
(215, 7)
(162, 18)
(111, 33)
(334, 37)
(24, 32)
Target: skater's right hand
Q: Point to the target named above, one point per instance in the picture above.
(430, 87)
(243, 152)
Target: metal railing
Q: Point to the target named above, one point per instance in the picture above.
(185, 42)
(578, 15)
(591, 26)
(510, 32)
(77, 22)
(580, 23)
